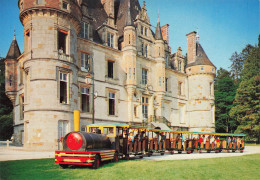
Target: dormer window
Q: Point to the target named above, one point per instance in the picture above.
(64, 5)
(202, 68)
(110, 40)
(85, 30)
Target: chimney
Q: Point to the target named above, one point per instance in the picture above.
(165, 32)
(191, 46)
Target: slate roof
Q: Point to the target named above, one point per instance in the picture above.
(14, 51)
(158, 32)
(201, 57)
(121, 13)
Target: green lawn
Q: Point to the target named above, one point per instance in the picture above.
(243, 167)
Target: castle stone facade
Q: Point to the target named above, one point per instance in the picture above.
(137, 79)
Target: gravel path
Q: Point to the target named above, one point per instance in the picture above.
(19, 154)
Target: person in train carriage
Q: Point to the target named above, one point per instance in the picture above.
(233, 140)
(218, 141)
(163, 137)
(228, 140)
(200, 140)
(131, 137)
(184, 138)
(238, 142)
(212, 139)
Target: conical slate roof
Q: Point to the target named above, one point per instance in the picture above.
(158, 32)
(14, 51)
(201, 57)
(128, 19)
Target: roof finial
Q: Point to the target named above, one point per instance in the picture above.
(144, 6)
(14, 35)
(197, 35)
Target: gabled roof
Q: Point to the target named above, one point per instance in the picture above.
(201, 57)
(14, 51)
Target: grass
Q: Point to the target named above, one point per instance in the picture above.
(242, 167)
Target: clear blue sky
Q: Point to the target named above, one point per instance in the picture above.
(225, 26)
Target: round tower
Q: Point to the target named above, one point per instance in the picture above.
(50, 66)
(201, 73)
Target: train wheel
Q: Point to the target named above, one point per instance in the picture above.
(233, 150)
(188, 152)
(141, 157)
(172, 152)
(127, 157)
(96, 162)
(162, 153)
(149, 154)
(64, 166)
(116, 159)
(179, 152)
(208, 151)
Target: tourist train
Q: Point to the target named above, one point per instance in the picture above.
(113, 141)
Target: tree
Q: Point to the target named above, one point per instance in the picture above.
(238, 62)
(247, 101)
(6, 107)
(224, 96)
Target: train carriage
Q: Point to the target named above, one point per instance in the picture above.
(111, 141)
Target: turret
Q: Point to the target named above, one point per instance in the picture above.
(129, 55)
(160, 66)
(50, 60)
(11, 70)
(201, 73)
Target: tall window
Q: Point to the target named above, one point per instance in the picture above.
(211, 90)
(180, 88)
(111, 98)
(27, 40)
(21, 75)
(63, 88)
(166, 84)
(144, 50)
(85, 30)
(144, 76)
(85, 99)
(145, 32)
(145, 107)
(142, 30)
(110, 40)
(135, 111)
(62, 41)
(21, 107)
(110, 69)
(160, 81)
(84, 61)
(166, 60)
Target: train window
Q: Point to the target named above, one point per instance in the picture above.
(108, 131)
(93, 129)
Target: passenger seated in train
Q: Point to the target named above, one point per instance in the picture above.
(228, 140)
(131, 137)
(200, 140)
(183, 141)
(238, 142)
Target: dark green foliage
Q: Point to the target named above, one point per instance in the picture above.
(6, 117)
(224, 96)
(238, 63)
(247, 101)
